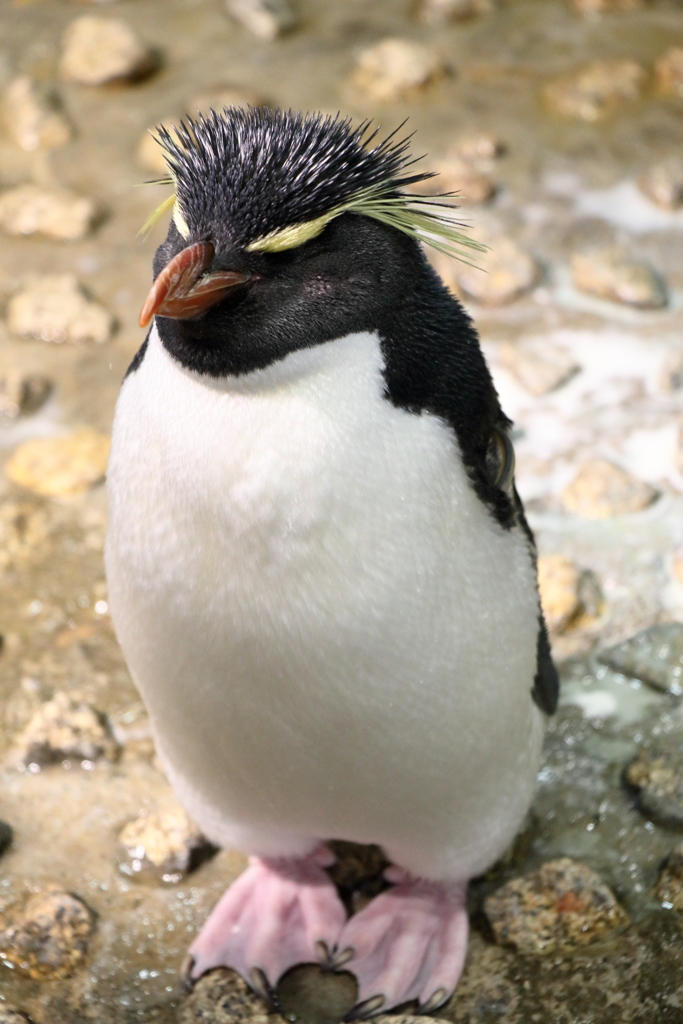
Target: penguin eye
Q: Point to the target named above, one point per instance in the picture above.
(500, 460)
(293, 236)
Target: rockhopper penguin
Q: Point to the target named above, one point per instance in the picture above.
(319, 569)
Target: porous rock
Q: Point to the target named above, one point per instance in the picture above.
(669, 888)
(22, 393)
(654, 655)
(161, 847)
(98, 50)
(395, 67)
(503, 274)
(34, 116)
(669, 71)
(29, 209)
(440, 12)
(601, 489)
(663, 184)
(57, 308)
(656, 774)
(265, 19)
(60, 467)
(63, 728)
(562, 905)
(223, 997)
(538, 365)
(593, 92)
(48, 937)
(558, 585)
(611, 274)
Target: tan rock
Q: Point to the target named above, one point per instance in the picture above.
(265, 19)
(62, 728)
(600, 490)
(663, 184)
(24, 529)
(394, 68)
(507, 272)
(611, 274)
(440, 12)
(558, 585)
(538, 365)
(475, 148)
(60, 467)
(563, 905)
(669, 71)
(593, 92)
(97, 50)
(593, 7)
(656, 773)
(9, 1015)
(463, 178)
(28, 209)
(669, 888)
(34, 116)
(57, 308)
(163, 846)
(22, 393)
(149, 153)
(48, 937)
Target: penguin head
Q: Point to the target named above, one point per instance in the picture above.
(287, 230)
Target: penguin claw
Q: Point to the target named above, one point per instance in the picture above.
(186, 979)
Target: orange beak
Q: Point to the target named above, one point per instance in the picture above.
(180, 291)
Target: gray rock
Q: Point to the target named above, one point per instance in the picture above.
(63, 728)
(48, 937)
(656, 774)
(669, 888)
(34, 116)
(29, 209)
(223, 997)
(162, 847)
(266, 19)
(654, 655)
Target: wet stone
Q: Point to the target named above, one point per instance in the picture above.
(22, 393)
(669, 888)
(657, 777)
(611, 274)
(600, 490)
(64, 728)
(654, 655)
(539, 366)
(29, 209)
(48, 937)
(669, 71)
(503, 274)
(265, 19)
(663, 184)
(57, 308)
(60, 467)
(34, 116)
(440, 12)
(558, 584)
(162, 847)
(223, 997)
(394, 68)
(595, 91)
(562, 905)
(98, 50)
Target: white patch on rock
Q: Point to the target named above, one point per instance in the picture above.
(57, 308)
(29, 209)
(97, 50)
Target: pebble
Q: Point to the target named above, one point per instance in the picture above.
(654, 655)
(671, 375)
(558, 585)
(223, 997)
(60, 467)
(265, 19)
(663, 184)
(48, 938)
(475, 148)
(600, 490)
(440, 12)
(455, 174)
(669, 71)
(538, 365)
(28, 209)
(657, 776)
(57, 308)
(611, 274)
(593, 7)
(562, 905)
(503, 274)
(669, 888)
(22, 393)
(98, 50)
(33, 115)
(63, 728)
(395, 67)
(595, 91)
(161, 847)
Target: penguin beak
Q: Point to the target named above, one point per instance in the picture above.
(180, 291)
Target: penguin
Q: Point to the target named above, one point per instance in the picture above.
(319, 568)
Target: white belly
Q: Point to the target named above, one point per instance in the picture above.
(332, 635)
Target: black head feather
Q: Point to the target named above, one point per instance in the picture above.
(242, 174)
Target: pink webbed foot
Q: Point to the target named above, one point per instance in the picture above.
(408, 943)
(278, 913)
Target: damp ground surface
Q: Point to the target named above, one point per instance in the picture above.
(562, 185)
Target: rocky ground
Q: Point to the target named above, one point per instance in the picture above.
(560, 123)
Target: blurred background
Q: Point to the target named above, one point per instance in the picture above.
(559, 124)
